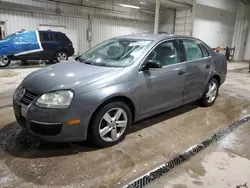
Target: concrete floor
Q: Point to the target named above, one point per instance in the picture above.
(224, 164)
(27, 162)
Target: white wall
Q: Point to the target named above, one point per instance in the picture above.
(112, 21)
(166, 22)
(240, 31)
(183, 22)
(245, 47)
(103, 29)
(214, 21)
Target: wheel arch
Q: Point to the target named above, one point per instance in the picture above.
(217, 77)
(116, 98)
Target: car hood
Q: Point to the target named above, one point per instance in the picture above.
(68, 75)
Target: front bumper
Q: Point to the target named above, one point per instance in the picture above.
(52, 124)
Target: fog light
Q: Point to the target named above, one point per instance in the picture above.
(74, 121)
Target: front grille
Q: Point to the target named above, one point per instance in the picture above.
(46, 129)
(28, 97)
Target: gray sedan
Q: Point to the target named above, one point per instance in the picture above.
(125, 79)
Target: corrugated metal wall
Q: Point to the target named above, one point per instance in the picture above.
(241, 28)
(106, 23)
(183, 22)
(16, 20)
(107, 28)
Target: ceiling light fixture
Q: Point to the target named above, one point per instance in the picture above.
(129, 6)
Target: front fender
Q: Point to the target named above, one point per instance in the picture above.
(100, 95)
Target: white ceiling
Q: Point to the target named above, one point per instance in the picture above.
(165, 3)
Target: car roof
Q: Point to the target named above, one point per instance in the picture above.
(49, 31)
(154, 37)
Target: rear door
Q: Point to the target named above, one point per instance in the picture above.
(49, 43)
(199, 65)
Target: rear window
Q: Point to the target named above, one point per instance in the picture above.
(64, 37)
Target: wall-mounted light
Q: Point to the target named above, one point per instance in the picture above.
(129, 6)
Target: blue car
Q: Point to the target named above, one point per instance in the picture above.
(54, 46)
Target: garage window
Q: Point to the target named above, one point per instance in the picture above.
(193, 51)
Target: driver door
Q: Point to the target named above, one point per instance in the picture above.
(162, 88)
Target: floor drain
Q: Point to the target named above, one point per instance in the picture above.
(159, 171)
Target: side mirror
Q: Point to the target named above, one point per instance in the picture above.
(151, 64)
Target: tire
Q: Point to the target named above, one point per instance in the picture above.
(4, 61)
(24, 62)
(61, 56)
(206, 100)
(50, 62)
(99, 124)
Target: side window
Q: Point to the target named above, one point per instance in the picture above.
(166, 53)
(44, 37)
(55, 37)
(65, 38)
(204, 50)
(192, 49)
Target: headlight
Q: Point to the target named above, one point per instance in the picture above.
(18, 92)
(57, 99)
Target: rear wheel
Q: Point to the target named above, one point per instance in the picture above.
(110, 124)
(4, 61)
(61, 56)
(210, 94)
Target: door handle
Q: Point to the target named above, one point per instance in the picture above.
(181, 72)
(208, 66)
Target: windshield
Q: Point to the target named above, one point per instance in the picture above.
(115, 52)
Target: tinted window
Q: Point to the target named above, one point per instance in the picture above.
(44, 37)
(192, 49)
(166, 53)
(204, 51)
(55, 36)
(64, 37)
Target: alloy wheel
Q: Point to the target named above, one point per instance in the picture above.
(113, 124)
(61, 56)
(212, 92)
(3, 61)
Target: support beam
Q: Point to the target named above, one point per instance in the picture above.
(157, 10)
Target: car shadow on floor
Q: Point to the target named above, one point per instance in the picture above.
(17, 142)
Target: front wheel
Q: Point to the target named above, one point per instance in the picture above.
(110, 124)
(210, 94)
(4, 61)
(61, 56)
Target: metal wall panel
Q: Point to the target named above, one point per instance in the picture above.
(241, 31)
(107, 28)
(16, 20)
(30, 14)
(183, 22)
